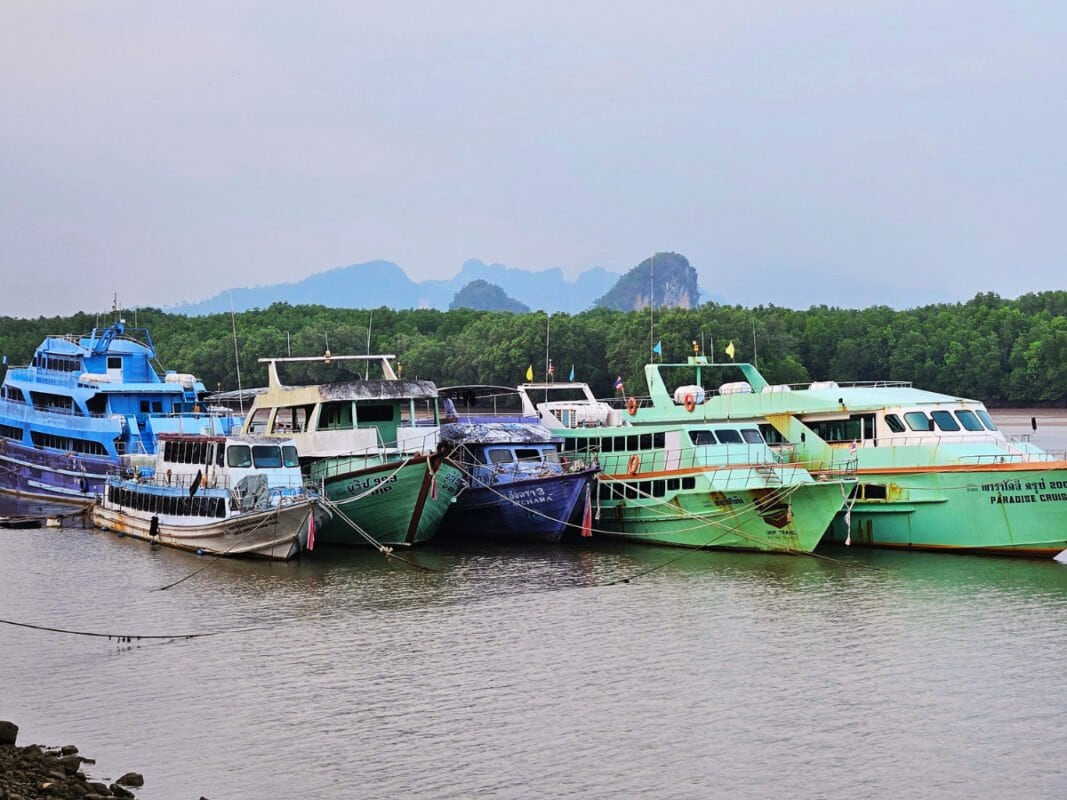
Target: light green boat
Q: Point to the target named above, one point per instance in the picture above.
(371, 445)
(934, 472)
(708, 486)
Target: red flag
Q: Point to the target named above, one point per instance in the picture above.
(311, 529)
(587, 515)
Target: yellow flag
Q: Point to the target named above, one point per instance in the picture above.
(529, 373)
(730, 350)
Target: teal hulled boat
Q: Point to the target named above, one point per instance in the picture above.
(933, 470)
(371, 445)
(708, 486)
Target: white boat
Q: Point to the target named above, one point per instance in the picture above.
(217, 495)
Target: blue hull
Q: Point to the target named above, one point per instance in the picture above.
(536, 510)
(64, 478)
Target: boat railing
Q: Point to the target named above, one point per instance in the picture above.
(277, 483)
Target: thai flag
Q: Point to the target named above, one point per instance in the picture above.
(618, 384)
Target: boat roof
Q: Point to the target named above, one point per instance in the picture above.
(496, 433)
(389, 387)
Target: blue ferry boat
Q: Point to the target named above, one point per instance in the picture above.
(85, 401)
(519, 486)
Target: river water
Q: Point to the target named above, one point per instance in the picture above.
(537, 672)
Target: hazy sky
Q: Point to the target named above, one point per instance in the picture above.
(790, 149)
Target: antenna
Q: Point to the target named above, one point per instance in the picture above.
(236, 355)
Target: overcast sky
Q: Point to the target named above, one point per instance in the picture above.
(167, 151)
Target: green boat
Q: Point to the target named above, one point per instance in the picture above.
(933, 470)
(714, 486)
(370, 445)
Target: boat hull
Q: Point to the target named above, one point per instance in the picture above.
(275, 534)
(1012, 509)
(540, 509)
(397, 503)
(72, 480)
(789, 519)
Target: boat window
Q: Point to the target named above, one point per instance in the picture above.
(771, 435)
(527, 454)
(289, 456)
(291, 419)
(945, 421)
(986, 420)
(336, 416)
(646, 441)
(550, 456)
(728, 436)
(13, 393)
(702, 438)
(11, 432)
(689, 483)
(918, 421)
(374, 413)
(114, 362)
(968, 420)
(607, 445)
(266, 456)
(673, 484)
(238, 455)
(751, 435)
(659, 440)
(633, 443)
(894, 423)
(257, 423)
(500, 456)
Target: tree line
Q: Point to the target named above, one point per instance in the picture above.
(1004, 352)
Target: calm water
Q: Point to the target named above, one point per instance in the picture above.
(524, 673)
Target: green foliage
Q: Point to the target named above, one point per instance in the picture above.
(1001, 351)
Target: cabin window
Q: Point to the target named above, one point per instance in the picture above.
(550, 456)
(673, 484)
(646, 441)
(659, 440)
(336, 416)
(982, 415)
(185, 451)
(266, 456)
(157, 406)
(238, 455)
(13, 393)
(771, 435)
(633, 443)
(374, 413)
(727, 436)
(918, 421)
(968, 420)
(894, 423)
(114, 362)
(874, 491)
(700, 438)
(145, 407)
(658, 489)
(606, 445)
(689, 483)
(257, 423)
(11, 432)
(292, 419)
(48, 441)
(751, 435)
(945, 421)
(528, 454)
(500, 456)
(290, 457)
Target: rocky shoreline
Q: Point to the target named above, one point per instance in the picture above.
(33, 771)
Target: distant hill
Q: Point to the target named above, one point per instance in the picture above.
(383, 283)
(484, 296)
(665, 280)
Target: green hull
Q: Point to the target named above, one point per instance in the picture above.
(1009, 511)
(393, 502)
(785, 519)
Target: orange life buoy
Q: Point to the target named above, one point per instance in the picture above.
(631, 406)
(634, 465)
(690, 403)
